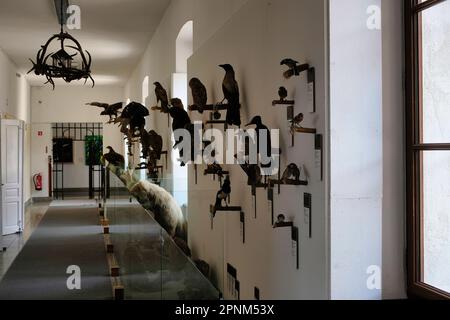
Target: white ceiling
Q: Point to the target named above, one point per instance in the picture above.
(115, 32)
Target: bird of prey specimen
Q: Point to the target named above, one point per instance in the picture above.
(282, 92)
(151, 143)
(223, 194)
(114, 158)
(135, 113)
(261, 129)
(292, 172)
(199, 94)
(230, 89)
(161, 97)
(111, 110)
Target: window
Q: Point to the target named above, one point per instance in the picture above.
(428, 146)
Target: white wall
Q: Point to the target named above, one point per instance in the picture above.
(356, 180)
(15, 103)
(67, 104)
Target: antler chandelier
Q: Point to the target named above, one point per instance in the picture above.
(62, 64)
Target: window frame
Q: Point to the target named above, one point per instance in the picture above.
(414, 148)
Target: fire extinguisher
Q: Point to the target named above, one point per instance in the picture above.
(37, 179)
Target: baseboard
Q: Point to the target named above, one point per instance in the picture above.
(28, 203)
(41, 199)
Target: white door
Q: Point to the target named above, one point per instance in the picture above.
(11, 173)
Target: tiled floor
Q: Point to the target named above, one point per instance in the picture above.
(14, 243)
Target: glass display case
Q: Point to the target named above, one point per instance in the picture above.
(153, 264)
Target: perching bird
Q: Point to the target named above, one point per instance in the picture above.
(230, 89)
(282, 92)
(260, 129)
(151, 142)
(214, 168)
(161, 96)
(292, 65)
(114, 158)
(199, 94)
(223, 193)
(111, 110)
(296, 122)
(135, 113)
(293, 68)
(292, 172)
(181, 120)
(253, 172)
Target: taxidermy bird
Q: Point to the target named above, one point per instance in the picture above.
(223, 193)
(292, 65)
(199, 94)
(296, 122)
(135, 113)
(282, 92)
(181, 120)
(114, 158)
(151, 142)
(292, 172)
(230, 89)
(109, 110)
(162, 205)
(260, 128)
(214, 168)
(161, 96)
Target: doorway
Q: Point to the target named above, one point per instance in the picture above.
(11, 176)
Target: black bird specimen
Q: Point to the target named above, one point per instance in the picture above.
(181, 120)
(253, 172)
(114, 158)
(292, 65)
(282, 92)
(199, 94)
(135, 113)
(214, 168)
(292, 172)
(161, 96)
(111, 110)
(230, 89)
(260, 128)
(223, 194)
(152, 144)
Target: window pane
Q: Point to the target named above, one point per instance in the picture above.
(436, 219)
(436, 73)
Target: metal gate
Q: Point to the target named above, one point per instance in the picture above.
(78, 132)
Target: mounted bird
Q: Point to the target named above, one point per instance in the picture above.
(114, 158)
(223, 194)
(230, 89)
(292, 172)
(135, 113)
(111, 110)
(292, 65)
(162, 97)
(199, 94)
(282, 93)
(262, 130)
(181, 120)
(151, 143)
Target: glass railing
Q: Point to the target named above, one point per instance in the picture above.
(150, 250)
